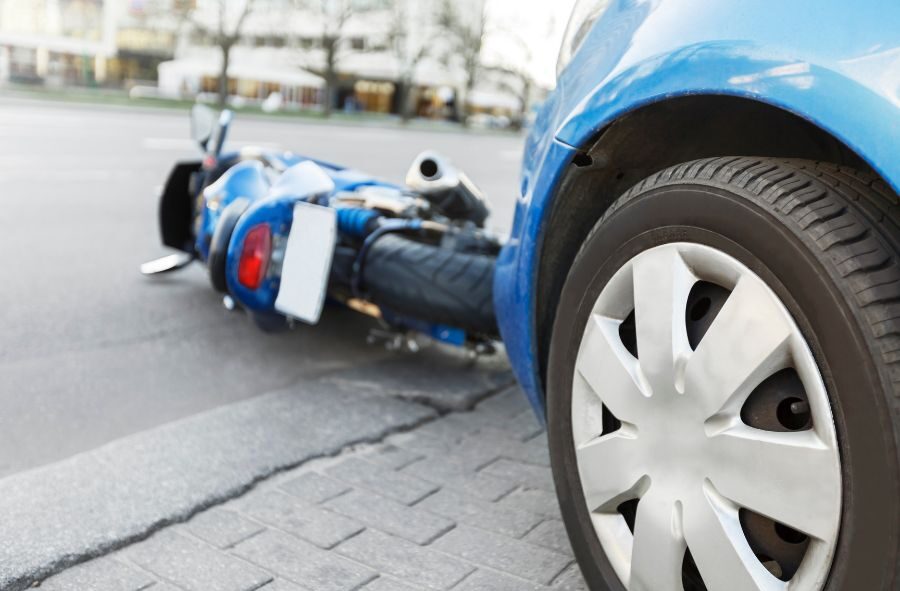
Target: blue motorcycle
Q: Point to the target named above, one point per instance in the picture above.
(281, 233)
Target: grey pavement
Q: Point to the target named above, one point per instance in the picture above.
(463, 501)
(150, 439)
(98, 500)
(90, 351)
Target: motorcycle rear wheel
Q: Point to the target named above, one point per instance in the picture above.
(432, 284)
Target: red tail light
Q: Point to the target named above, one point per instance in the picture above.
(255, 256)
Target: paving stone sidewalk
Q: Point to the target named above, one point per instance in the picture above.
(464, 502)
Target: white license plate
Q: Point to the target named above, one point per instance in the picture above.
(307, 262)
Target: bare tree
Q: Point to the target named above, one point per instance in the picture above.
(517, 79)
(333, 16)
(409, 49)
(519, 83)
(225, 32)
(467, 34)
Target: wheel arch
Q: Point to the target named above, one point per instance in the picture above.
(649, 139)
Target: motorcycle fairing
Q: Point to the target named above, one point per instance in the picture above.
(246, 179)
(276, 209)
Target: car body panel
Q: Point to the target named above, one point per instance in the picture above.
(834, 63)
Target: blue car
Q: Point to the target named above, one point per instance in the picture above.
(701, 293)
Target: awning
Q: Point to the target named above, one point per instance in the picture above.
(195, 68)
(487, 99)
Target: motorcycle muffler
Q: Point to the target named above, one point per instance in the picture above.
(447, 188)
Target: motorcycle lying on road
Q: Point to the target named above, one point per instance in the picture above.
(282, 233)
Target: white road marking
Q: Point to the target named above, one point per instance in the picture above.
(511, 155)
(69, 176)
(168, 143)
(184, 144)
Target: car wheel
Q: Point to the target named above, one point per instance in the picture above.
(722, 386)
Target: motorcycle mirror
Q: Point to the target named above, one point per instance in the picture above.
(203, 122)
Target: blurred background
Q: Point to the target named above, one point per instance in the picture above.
(484, 63)
(128, 402)
(94, 101)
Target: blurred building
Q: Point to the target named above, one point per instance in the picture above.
(111, 43)
(59, 41)
(281, 39)
(147, 47)
(146, 35)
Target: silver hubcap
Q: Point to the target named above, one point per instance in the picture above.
(681, 449)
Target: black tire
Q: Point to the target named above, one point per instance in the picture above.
(824, 238)
(218, 246)
(432, 284)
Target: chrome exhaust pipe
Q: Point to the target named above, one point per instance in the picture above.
(446, 187)
(431, 173)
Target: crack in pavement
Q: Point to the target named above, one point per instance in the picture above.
(73, 560)
(99, 501)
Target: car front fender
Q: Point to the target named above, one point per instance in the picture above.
(788, 55)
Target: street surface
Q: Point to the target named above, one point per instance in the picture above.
(90, 351)
(462, 502)
(152, 440)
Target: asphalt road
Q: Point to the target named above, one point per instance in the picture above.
(91, 351)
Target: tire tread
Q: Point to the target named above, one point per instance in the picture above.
(851, 216)
(431, 283)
